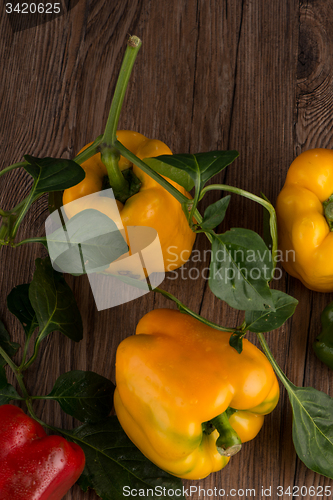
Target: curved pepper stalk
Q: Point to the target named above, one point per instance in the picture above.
(228, 443)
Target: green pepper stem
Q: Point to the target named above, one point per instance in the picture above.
(285, 381)
(15, 369)
(198, 217)
(8, 360)
(169, 296)
(25, 353)
(149, 171)
(12, 167)
(194, 203)
(29, 200)
(89, 152)
(26, 397)
(42, 240)
(36, 349)
(110, 134)
(110, 156)
(257, 199)
(9, 228)
(34, 355)
(228, 443)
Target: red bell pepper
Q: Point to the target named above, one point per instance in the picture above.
(34, 466)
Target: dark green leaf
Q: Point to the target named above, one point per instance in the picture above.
(266, 321)
(19, 304)
(175, 174)
(7, 224)
(90, 241)
(312, 427)
(236, 341)
(201, 166)
(9, 347)
(240, 268)
(323, 345)
(113, 463)
(54, 303)
(134, 183)
(53, 174)
(7, 391)
(215, 213)
(86, 396)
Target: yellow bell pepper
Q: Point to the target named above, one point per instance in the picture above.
(184, 396)
(152, 206)
(304, 210)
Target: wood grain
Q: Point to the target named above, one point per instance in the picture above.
(250, 75)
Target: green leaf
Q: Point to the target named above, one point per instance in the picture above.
(19, 304)
(323, 345)
(266, 321)
(240, 269)
(113, 463)
(53, 174)
(175, 174)
(134, 183)
(201, 166)
(312, 421)
(54, 303)
(6, 227)
(90, 241)
(312, 427)
(236, 341)
(215, 213)
(9, 347)
(86, 396)
(7, 391)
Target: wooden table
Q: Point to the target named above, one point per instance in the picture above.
(250, 75)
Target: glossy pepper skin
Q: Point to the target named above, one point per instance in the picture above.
(323, 346)
(305, 237)
(175, 375)
(34, 466)
(152, 206)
